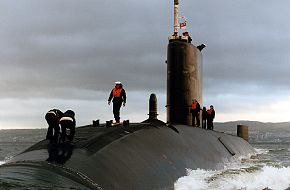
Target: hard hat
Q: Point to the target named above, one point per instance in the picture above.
(118, 82)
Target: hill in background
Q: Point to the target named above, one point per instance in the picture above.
(253, 126)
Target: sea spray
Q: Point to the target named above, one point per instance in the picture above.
(251, 178)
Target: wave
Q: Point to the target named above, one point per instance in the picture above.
(252, 178)
(261, 151)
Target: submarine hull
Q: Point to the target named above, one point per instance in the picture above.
(141, 156)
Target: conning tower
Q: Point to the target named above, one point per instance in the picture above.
(184, 75)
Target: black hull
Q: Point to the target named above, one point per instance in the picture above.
(139, 156)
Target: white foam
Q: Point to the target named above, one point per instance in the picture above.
(261, 151)
(267, 176)
(2, 162)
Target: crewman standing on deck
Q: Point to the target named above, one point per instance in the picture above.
(204, 116)
(195, 110)
(118, 95)
(210, 117)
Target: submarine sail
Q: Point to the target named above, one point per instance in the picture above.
(184, 80)
(184, 75)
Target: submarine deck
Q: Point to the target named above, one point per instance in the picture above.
(93, 138)
(138, 156)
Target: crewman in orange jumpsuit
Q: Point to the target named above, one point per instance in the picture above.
(118, 95)
(195, 110)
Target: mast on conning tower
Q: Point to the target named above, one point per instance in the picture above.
(176, 26)
(184, 74)
(175, 17)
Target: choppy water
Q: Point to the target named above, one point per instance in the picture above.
(13, 142)
(270, 169)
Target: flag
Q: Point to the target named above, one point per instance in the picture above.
(182, 25)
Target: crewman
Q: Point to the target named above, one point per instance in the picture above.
(204, 116)
(195, 110)
(186, 34)
(52, 117)
(68, 122)
(210, 117)
(118, 95)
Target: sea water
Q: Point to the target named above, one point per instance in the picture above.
(269, 169)
(15, 141)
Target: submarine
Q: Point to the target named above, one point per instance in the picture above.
(152, 154)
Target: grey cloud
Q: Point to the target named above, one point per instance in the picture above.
(74, 49)
(87, 45)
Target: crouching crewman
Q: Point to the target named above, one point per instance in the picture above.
(52, 118)
(68, 122)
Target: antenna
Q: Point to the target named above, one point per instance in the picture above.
(176, 17)
(185, 37)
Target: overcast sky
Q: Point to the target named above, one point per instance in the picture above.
(67, 54)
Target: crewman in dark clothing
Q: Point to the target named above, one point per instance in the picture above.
(189, 38)
(204, 116)
(118, 95)
(68, 122)
(52, 117)
(210, 117)
(195, 110)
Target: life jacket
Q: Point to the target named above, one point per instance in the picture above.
(66, 119)
(117, 92)
(209, 112)
(52, 117)
(52, 112)
(193, 105)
